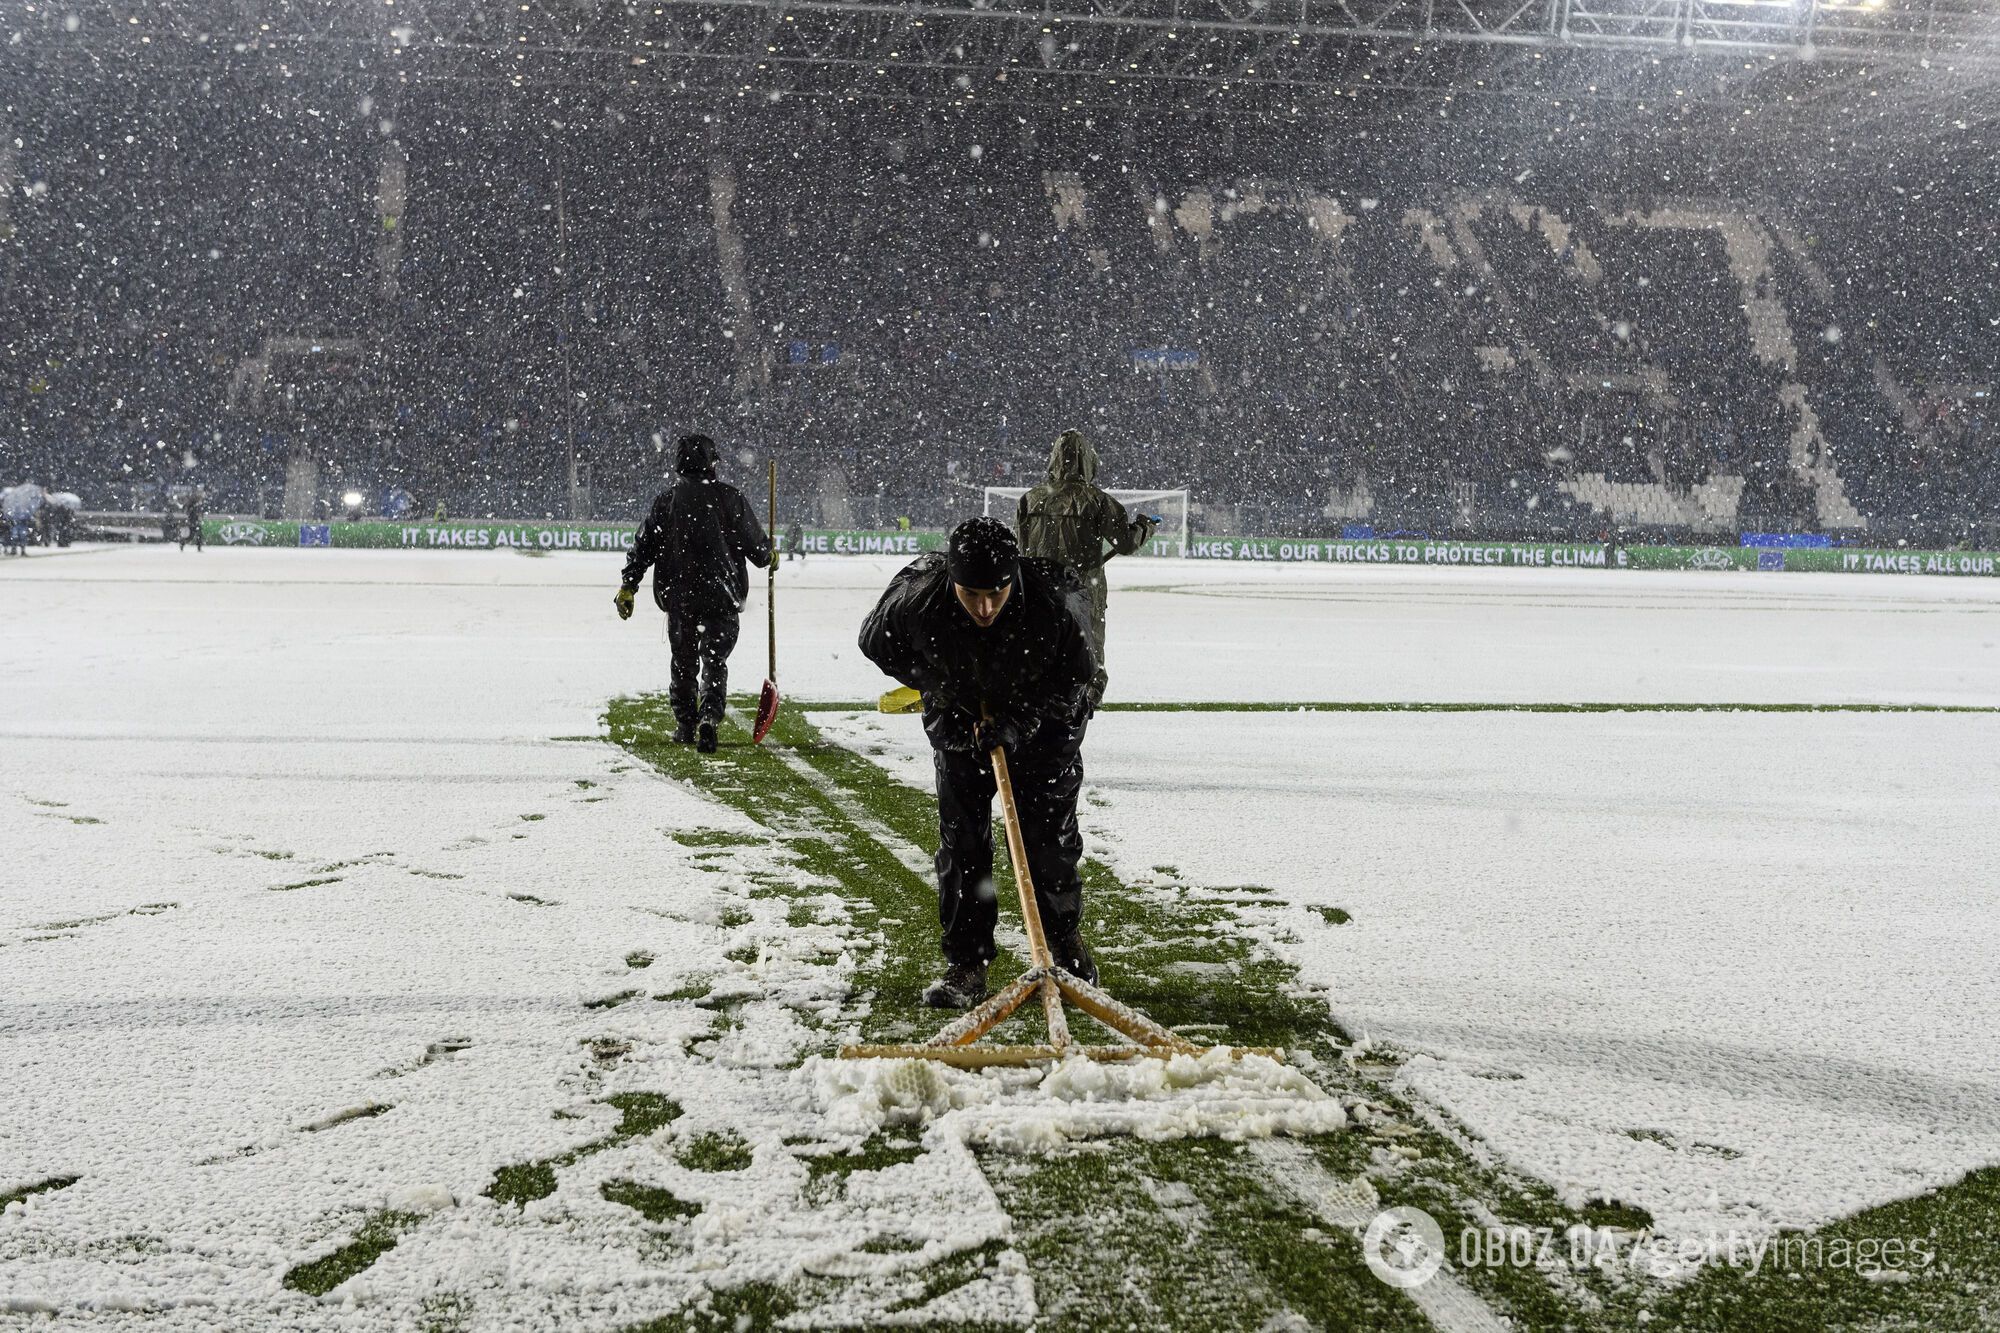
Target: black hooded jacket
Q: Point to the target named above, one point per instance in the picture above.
(698, 540)
(1032, 665)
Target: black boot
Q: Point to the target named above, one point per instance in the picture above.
(684, 733)
(1070, 955)
(962, 986)
(705, 738)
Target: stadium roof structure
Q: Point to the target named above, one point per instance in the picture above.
(1937, 58)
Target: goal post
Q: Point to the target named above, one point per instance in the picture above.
(1170, 507)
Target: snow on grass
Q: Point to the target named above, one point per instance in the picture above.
(333, 992)
(292, 839)
(1733, 970)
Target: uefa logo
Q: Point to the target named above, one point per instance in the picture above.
(243, 534)
(1403, 1246)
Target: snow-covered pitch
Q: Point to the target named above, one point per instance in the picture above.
(318, 887)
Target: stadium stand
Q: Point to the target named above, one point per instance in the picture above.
(445, 314)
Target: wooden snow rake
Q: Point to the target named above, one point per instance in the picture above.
(955, 1044)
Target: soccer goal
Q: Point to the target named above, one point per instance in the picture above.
(1170, 507)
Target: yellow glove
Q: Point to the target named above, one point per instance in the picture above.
(623, 601)
(776, 556)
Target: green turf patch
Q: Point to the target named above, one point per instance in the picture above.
(715, 1152)
(650, 1201)
(1184, 1236)
(1923, 1263)
(638, 958)
(525, 1182)
(738, 1310)
(883, 1150)
(1334, 916)
(49, 1186)
(446, 1312)
(712, 838)
(639, 1114)
(378, 1236)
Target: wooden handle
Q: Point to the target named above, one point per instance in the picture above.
(1031, 915)
(771, 574)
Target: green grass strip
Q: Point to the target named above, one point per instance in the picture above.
(1176, 950)
(378, 1236)
(639, 1114)
(1196, 1235)
(48, 1186)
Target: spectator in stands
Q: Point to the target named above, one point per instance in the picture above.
(1069, 520)
(18, 508)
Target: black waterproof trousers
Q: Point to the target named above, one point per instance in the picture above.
(1048, 776)
(698, 685)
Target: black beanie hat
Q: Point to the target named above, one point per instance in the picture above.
(982, 554)
(695, 456)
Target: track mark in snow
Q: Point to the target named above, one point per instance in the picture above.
(1351, 1205)
(442, 1049)
(611, 1001)
(61, 930)
(307, 883)
(369, 859)
(365, 1111)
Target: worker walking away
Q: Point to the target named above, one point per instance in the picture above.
(699, 540)
(1069, 520)
(998, 648)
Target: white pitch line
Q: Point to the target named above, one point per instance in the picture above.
(1351, 1205)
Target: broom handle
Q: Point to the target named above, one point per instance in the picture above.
(771, 573)
(1031, 915)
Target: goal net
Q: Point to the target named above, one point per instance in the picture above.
(1170, 507)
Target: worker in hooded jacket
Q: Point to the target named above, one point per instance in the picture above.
(998, 648)
(698, 541)
(1069, 520)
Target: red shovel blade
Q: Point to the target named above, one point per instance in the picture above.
(767, 712)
